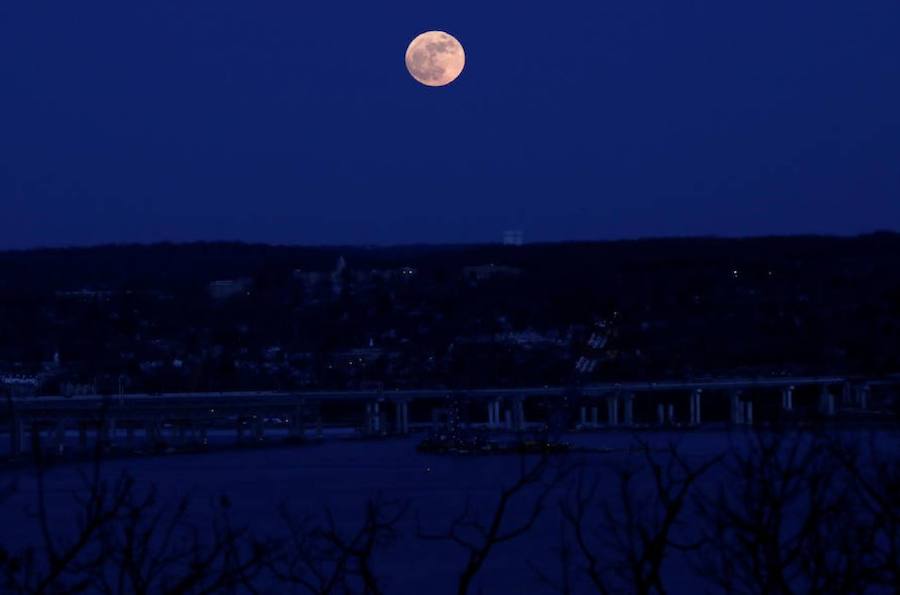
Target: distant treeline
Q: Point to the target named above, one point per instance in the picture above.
(662, 307)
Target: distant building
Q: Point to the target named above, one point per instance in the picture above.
(597, 341)
(309, 279)
(19, 385)
(529, 338)
(513, 237)
(336, 278)
(226, 288)
(485, 272)
(405, 273)
(71, 389)
(585, 365)
(85, 295)
(343, 274)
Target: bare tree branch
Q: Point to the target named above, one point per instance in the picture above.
(627, 547)
(478, 537)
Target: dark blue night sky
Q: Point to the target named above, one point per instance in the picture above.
(296, 122)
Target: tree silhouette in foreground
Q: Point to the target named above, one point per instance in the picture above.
(624, 549)
(798, 513)
(125, 541)
(779, 512)
(479, 534)
(321, 558)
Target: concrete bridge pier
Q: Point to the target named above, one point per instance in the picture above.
(629, 409)
(518, 414)
(369, 419)
(589, 416)
(376, 417)
(401, 425)
(737, 407)
(695, 417)
(372, 423)
(862, 396)
(787, 398)
(494, 413)
(59, 436)
(612, 411)
(826, 402)
(748, 413)
(379, 426)
(665, 414)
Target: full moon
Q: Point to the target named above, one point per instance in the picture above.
(435, 58)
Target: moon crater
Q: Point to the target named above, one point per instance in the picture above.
(435, 58)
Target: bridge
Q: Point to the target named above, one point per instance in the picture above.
(188, 417)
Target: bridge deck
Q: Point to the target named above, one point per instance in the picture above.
(281, 401)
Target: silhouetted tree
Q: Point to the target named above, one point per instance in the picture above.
(479, 534)
(320, 558)
(125, 541)
(872, 468)
(624, 549)
(785, 519)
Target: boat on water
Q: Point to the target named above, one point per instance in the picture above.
(483, 442)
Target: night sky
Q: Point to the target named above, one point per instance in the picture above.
(297, 122)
